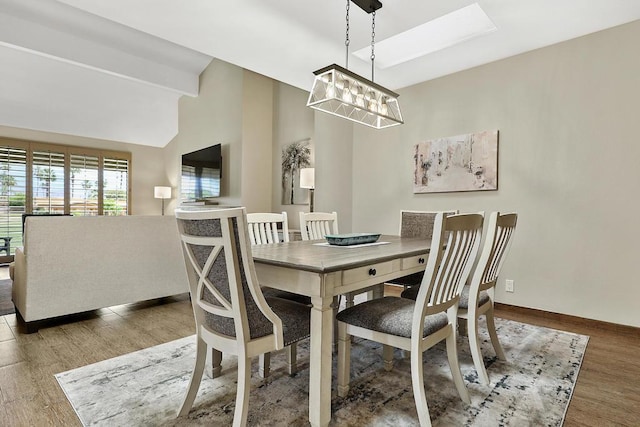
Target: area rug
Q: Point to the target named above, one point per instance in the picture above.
(145, 388)
(6, 304)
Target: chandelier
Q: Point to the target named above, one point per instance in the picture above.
(343, 93)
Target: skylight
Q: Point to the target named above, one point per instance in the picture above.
(440, 33)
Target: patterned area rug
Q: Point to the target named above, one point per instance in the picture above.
(146, 387)
(6, 304)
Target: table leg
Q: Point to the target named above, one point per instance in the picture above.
(320, 362)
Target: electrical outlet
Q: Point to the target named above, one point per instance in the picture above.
(508, 285)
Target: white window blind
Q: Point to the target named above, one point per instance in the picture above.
(48, 182)
(83, 185)
(13, 190)
(116, 186)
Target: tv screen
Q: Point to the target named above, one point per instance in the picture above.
(201, 173)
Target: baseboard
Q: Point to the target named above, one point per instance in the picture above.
(566, 318)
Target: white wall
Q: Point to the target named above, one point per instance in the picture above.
(334, 162)
(257, 142)
(147, 163)
(568, 164)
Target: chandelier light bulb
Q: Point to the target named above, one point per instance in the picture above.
(346, 93)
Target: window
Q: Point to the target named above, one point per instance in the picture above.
(13, 190)
(116, 186)
(48, 178)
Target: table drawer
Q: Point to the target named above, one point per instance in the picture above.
(414, 261)
(364, 273)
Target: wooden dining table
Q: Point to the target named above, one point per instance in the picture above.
(323, 271)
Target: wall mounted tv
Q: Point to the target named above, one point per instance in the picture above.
(201, 174)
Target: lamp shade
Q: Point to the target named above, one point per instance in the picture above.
(307, 178)
(162, 192)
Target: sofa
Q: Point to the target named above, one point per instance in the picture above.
(75, 264)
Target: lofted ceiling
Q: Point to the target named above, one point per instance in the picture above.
(115, 69)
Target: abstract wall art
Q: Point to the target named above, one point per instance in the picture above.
(457, 163)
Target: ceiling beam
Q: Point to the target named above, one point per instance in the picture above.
(57, 31)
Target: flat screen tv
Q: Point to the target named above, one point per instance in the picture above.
(201, 174)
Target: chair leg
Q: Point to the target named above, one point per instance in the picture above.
(344, 359)
(474, 346)
(196, 377)
(387, 357)
(292, 363)
(242, 394)
(264, 365)
(419, 395)
(454, 365)
(491, 327)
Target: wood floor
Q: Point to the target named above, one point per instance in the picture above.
(607, 393)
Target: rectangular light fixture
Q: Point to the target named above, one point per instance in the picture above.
(446, 31)
(345, 94)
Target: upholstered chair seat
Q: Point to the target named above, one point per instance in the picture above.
(296, 319)
(483, 297)
(390, 315)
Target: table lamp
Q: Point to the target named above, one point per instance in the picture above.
(162, 193)
(308, 180)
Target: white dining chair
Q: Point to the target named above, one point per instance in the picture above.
(416, 326)
(316, 225)
(231, 314)
(267, 228)
(477, 297)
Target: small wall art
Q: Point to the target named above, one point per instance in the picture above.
(295, 156)
(457, 163)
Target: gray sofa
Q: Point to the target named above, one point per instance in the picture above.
(75, 264)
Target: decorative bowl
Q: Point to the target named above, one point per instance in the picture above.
(352, 239)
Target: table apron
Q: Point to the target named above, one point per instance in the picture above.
(330, 284)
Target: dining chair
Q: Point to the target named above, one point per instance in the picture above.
(266, 228)
(416, 224)
(416, 326)
(231, 313)
(316, 225)
(477, 297)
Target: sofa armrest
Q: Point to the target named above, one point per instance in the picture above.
(19, 288)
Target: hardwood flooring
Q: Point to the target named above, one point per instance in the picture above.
(607, 392)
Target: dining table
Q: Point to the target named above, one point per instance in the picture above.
(323, 271)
